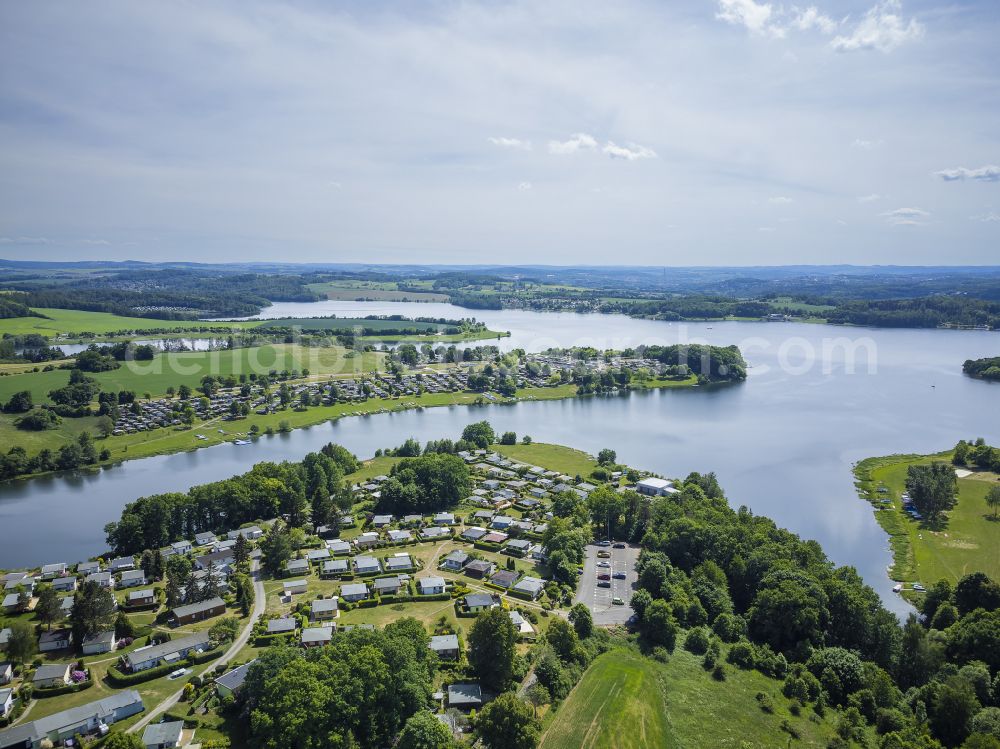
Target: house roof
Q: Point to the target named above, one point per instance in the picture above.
(324, 604)
(234, 679)
(39, 729)
(465, 694)
(317, 634)
(444, 642)
(479, 599)
(530, 585)
(285, 624)
(144, 593)
(156, 652)
(431, 582)
(163, 733)
(195, 608)
(51, 671)
(387, 582)
(354, 589)
(108, 636)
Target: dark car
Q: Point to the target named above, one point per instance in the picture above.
(603, 583)
(604, 576)
(619, 546)
(619, 576)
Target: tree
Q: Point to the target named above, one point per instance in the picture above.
(658, 624)
(933, 489)
(225, 629)
(93, 612)
(508, 723)
(424, 731)
(105, 425)
(976, 591)
(178, 571)
(19, 403)
(582, 620)
(508, 438)
(952, 710)
(562, 637)
(993, 499)
(124, 740)
(607, 457)
(22, 643)
(241, 553)
(491, 648)
(123, 626)
(322, 505)
(47, 609)
(276, 548)
(480, 434)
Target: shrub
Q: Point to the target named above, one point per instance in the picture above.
(719, 672)
(742, 655)
(765, 702)
(696, 641)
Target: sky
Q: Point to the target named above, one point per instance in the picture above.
(688, 132)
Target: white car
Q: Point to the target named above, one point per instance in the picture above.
(604, 564)
(179, 673)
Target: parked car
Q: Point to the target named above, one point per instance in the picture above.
(619, 576)
(619, 545)
(919, 588)
(604, 554)
(179, 673)
(603, 583)
(616, 601)
(604, 543)
(604, 564)
(604, 576)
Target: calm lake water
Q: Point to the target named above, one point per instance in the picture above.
(818, 399)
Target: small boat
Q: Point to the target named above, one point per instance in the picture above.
(242, 442)
(201, 436)
(897, 588)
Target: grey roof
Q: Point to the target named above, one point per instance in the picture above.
(444, 642)
(479, 599)
(144, 593)
(400, 561)
(50, 671)
(108, 636)
(530, 585)
(320, 605)
(276, 626)
(234, 679)
(156, 652)
(354, 589)
(194, 608)
(335, 565)
(36, 730)
(317, 634)
(465, 694)
(431, 582)
(163, 733)
(387, 582)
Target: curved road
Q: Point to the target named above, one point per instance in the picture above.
(238, 643)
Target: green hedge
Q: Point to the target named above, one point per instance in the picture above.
(484, 546)
(262, 641)
(40, 692)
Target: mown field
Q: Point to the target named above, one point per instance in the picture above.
(387, 291)
(619, 703)
(103, 323)
(554, 457)
(626, 700)
(189, 367)
(969, 541)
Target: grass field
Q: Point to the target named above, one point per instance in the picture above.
(969, 541)
(187, 368)
(619, 703)
(553, 457)
(626, 700)
(103, 323)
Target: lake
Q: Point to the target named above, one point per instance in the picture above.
(818, 398)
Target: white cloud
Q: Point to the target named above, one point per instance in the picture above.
(866, 145)
(779, 200)
(524, 186)
(97, 242)
(988, 218)
(765, 229)
(906, 216)
(576, 142)
(882, 28)
(515, 143)
(989, 173)
(812, 18)
(630, 153)
(756, 17)
(24, 240)
(869, 198)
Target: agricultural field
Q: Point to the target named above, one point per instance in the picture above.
(385, 291)
(969, 541)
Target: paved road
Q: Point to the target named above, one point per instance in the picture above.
(599, 599)
(238, 643)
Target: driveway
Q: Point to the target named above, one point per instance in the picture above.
(238, 643)
(599, 599)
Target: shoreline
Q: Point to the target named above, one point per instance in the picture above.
(131, 447)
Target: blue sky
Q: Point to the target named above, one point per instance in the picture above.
(688, 132)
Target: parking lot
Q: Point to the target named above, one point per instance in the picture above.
(599, 599)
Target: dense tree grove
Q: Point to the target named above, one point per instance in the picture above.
(267, 490)
(986, 369)
(428, 483)
(933, 489)
(977, 454)
(357, 692)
